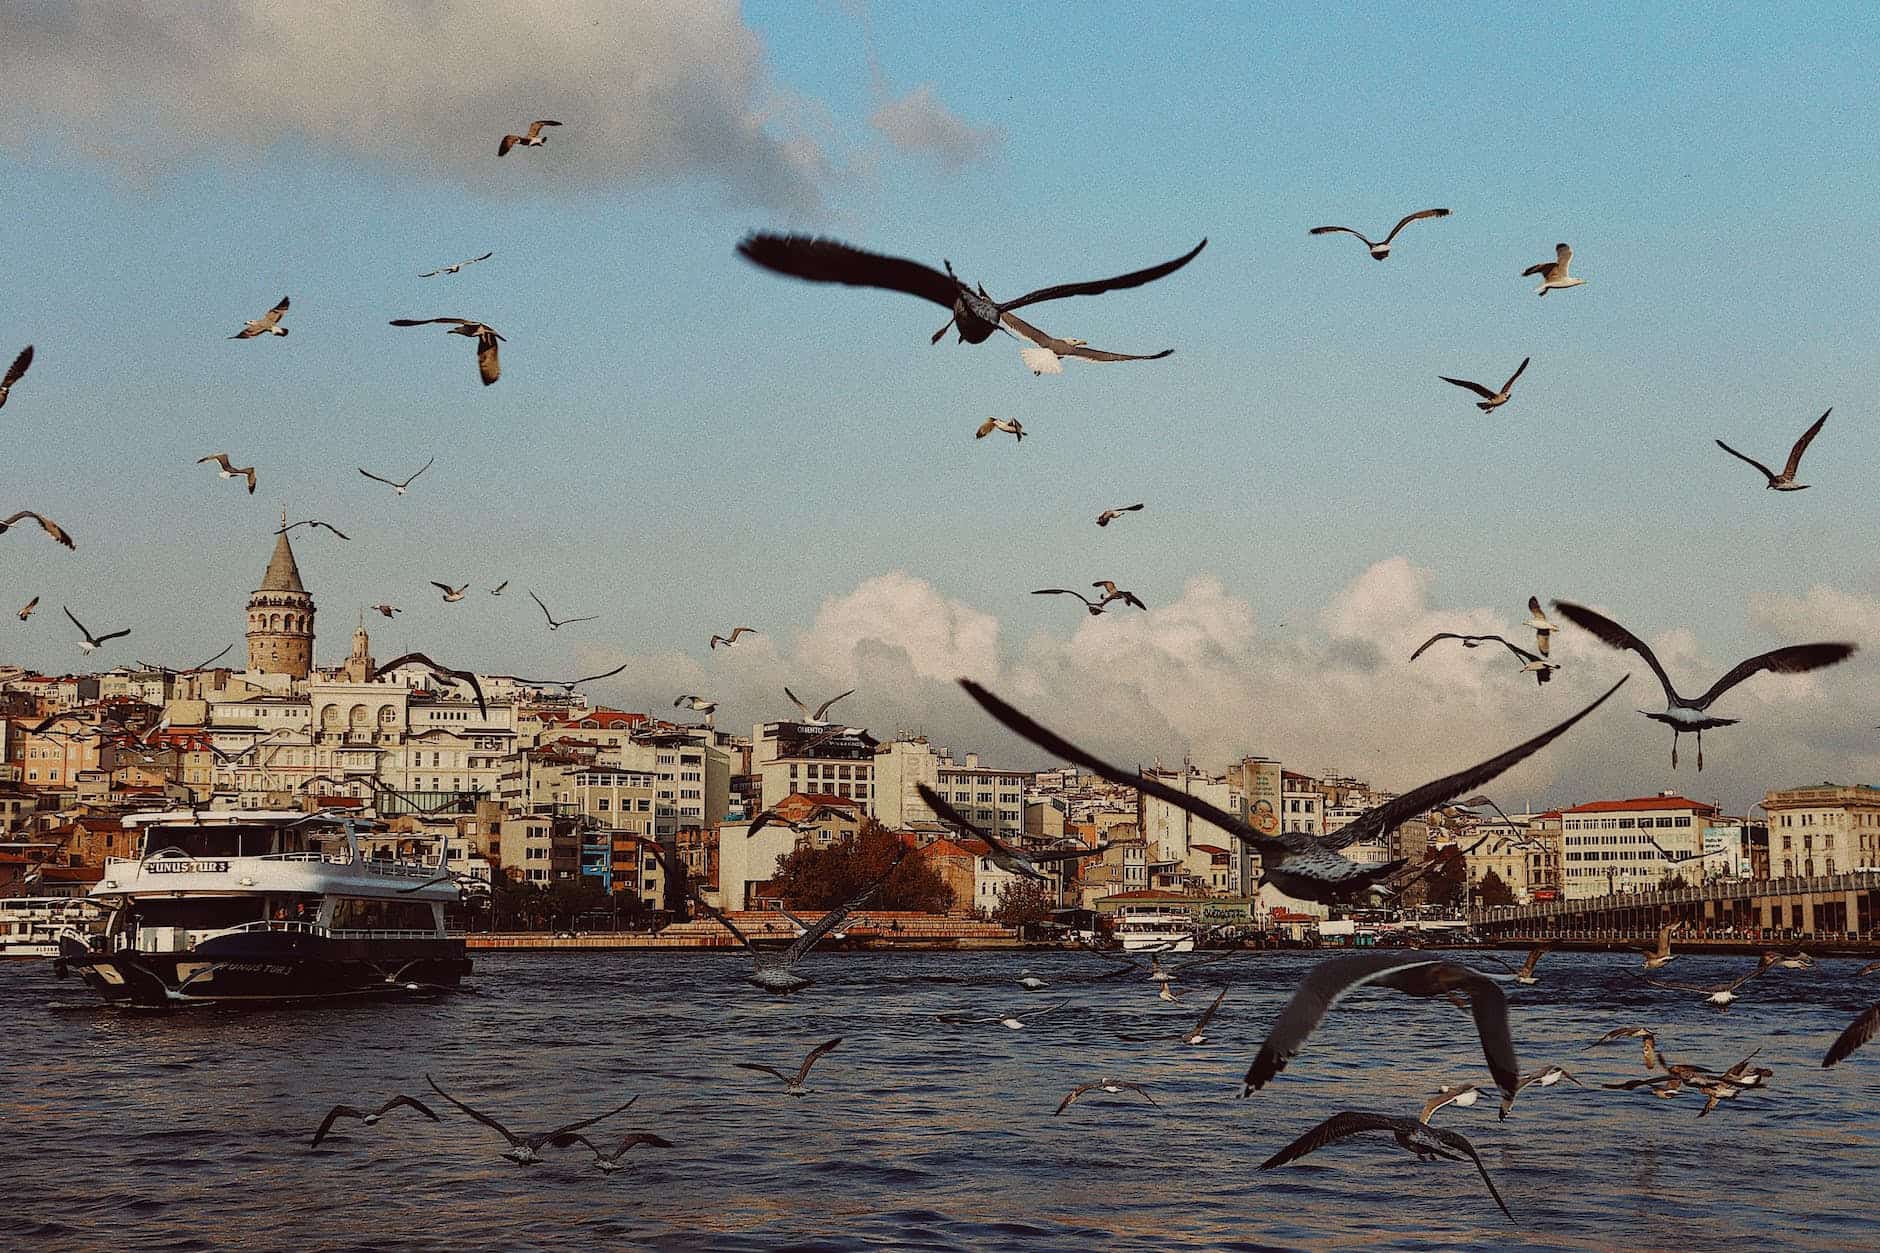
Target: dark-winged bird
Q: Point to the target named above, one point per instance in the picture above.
(534, 139)
(793, 1084)
(57, 532)
(1005, 856)
(460, 676)
(268, 323)
(368, 1117)
(91, 641)
(525, 1149)
(1415, 1137)
(1381, 248)
(1531, 663)
(15, 372)
(1783, 482)
(1490, 400)
(398, 488)
(489, 367)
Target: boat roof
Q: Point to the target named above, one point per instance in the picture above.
(242, 817)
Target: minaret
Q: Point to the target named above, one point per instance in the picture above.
(359, 666)
(280, 616)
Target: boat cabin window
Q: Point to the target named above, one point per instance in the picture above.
(198, 913)
(377, 915)
(222, 841)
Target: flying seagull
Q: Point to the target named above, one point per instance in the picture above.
(1294, 862)
(976, 315)
(608, 1163)
(1095, 607)
(195, 669)
(15, 372)
(1046, 352)
(1011, 426)
(1645, 1035)
(820, 717)
(1553, 273)
(315, 522)
(729, 640)
(526, 1149)
(93, 641)
(772, 970)
(1110, 515)
(489, 368)
(1006, 857)
(268, 323)
(369, 1117)
(697, 704)
(553, 623)
(1490, 400)
(498, 589)
(1532, 663)
(1660, 953)
(1525, 975)
(398, 489)
(385, 610)
(1112, 592)
(1858, 1032)
(1720, 994)
(1415, 974)
(1198, 1034)
(1415, 1137)
(1381, 248)
(57, 532)
(570, 684)
(445, 672)
(1112, 1086)
(1464, 1094)
(1682, 714)
(451, 594)
(1546, 1077)
(1543, 628)
(452, 269)
(534, 139)
(793, 1084)
(231, 472)
(28, 611)
(1011, 1022)
(1785, 481)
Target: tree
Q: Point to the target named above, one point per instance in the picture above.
(1447, 878)
(823, 878)
(1493, 891)
(1024, 900)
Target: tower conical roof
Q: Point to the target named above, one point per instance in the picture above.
(283, 575)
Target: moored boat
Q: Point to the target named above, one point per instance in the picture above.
(30, 926)
(1156, 930)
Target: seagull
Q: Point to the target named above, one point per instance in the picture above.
(819, 718)
(231, 472)
(1046, 352)
(1168, 992)
(268, 323)
(1858, 1032)
(1721, 994)
(369, 1118)
(1554, 273)
(1525, 975)
(313, 522)
(1415, 1137)
(1295, 863)
(534, 139)
(1012, 1022)
(772, 970)
(489, 368)
(570, 684)
(1546, 1078)
(91, 641)
(526, 1149)
(28, 611)
(729, 640)
(1197, 1034)
(1543, 629)
(1112, 1086)
(1011, 426)
(1095, 607)
(798, 926)
(1490, 400)
(452, 269)
(1381, 248)
(1031, 982)
(1336, 977)
(57, 532)
(386, 610)
(554, 625)
(15, 372)
(976, 315)
(1785, 481)
(1645, 1035)
(1006, 857)
(1452, 1094)
(1798, 960)
(698, 704)
(451, 594)
(1868, 969)
(195, 669)
(1743, 1075)
(1112, 592)
(498, 589)
(1110, 515)
(608, 1163)
(398, 489)
(460, 676)
(1532, 663)
(793, 1084)
(1661, 953)
(1682, 714)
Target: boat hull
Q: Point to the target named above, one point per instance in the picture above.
(1158, 943)
(267, 967)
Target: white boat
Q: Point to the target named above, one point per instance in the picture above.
(1156, 930)
(264, 905)
(30, 925)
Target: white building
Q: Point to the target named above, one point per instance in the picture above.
(1621, 846)
(793, 757)
(994, 799)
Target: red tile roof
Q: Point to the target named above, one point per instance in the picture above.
(954, 848)
(1638, 803)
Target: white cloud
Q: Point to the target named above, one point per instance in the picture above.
(647, 91)
(917, 123)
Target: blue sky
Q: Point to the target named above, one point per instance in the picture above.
(680, 441)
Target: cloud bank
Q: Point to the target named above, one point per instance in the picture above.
(917, 124)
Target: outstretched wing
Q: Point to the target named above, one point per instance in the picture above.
(1612, 635)
(375, 478)
(675, 870)
(1338, 1127)
(1767, 472)
(1518, 370)
(822, 710)
(17, 370)
(1440, 635)
(769, 1070)
(1342, 230)
(1456, 1141)
(953, 817)
(834, 918)
(1064, 348)
(1096, 287)
(1327, 983)
(485, 1119)
(1795, 659)
(1801, 445)
(1477, 388)
(1418, 216)
(803, 1071)
(428, 321)
(332, 1116)
(1858, 1032)
(559, 1132)
(831, 261)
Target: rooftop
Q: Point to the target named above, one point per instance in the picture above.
(1638, 803)
(283, 575)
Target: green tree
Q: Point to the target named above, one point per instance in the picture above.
(823, 878)
(1024, 900)
(1493, 891)
(1447, 879)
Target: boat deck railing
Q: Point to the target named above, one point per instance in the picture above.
(310, 928)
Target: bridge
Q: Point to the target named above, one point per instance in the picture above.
(1842, 908)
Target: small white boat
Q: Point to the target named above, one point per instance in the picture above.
(1156, 930)
(30, 925)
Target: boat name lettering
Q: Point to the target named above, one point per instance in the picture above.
(186, 867)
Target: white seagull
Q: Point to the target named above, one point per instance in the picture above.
(268, 323)
(451, 594)
(1542, 627)
(1553, 273)
(1011, 426)
(1046, 352)
(729, 640)
(230, 471)
(1532, 663)
(452, 269)
(92, 642)
(820, 717)
(1112, 1086)
(534, 139)
(1785, 481)
(555, 624)
(369, 1117)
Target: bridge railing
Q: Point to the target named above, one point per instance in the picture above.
(1715, 890)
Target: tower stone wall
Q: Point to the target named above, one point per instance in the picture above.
(280, 618)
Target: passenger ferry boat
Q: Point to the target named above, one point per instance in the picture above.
(30, 925)
(1156, 931)
(263, 905)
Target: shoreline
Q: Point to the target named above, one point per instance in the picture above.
(609, 941)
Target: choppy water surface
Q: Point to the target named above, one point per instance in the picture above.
(189, 1130)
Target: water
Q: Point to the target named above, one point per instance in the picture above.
(189, 1131)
